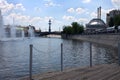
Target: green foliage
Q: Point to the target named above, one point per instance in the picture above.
(111, 22)
(75, 28)
(67, 30)
(115, 21)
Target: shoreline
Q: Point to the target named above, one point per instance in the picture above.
(108, 39)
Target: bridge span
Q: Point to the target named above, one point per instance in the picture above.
(47, 33)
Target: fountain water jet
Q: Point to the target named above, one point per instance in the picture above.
(13, 33)
(31, 31)
(1, 26)
(23, 34)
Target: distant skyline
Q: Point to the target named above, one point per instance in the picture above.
(62, 12)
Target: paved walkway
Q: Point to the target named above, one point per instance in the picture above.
(99, 72)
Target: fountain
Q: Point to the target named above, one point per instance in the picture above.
(23, 34)
(13, 32)
(13, 36)
(1, 26)
(31, 31)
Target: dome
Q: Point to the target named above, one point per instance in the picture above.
(96, 21)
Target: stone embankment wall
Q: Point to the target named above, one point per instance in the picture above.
(106, 39)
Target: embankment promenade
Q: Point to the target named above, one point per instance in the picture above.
(105, 39)
(98, 72)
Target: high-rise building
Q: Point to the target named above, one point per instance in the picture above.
(111, 14)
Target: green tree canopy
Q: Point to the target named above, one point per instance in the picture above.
(111, 22)
(75, 28)
(117, 20)
(67, 29)
(114, 21)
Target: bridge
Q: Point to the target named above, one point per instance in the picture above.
(47, 33)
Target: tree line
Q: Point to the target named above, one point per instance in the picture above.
(74, 28)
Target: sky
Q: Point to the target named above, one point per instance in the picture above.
(61, 12)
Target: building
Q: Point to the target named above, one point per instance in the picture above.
(95, 25)
(111, 14)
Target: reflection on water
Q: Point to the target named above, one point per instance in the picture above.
(103, 54)
(75, 53)
(14, 56)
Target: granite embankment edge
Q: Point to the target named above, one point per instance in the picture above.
(104, 39)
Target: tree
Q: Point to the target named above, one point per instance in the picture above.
(111, 22)
(77, 28)
(81, 29)
(74, 29)
(117, 20)
(114, 21)
(67, 30)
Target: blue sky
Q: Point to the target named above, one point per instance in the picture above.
(61, 12)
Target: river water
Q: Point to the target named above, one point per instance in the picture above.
(14, 56)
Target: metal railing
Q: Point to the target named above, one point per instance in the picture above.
(31, 57)
(119, 53)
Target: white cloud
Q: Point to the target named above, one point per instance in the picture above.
(86, 1)
(80, 10)
(93, 15)
(71, 10)
(77, 10)
(51, 4)
(20, 6)
(35, 20)
(46, 19)
(72, 18)
(6, 7)
(68, 17)
(19, 19)
(116, 3)
(83, 20)
(25, 20)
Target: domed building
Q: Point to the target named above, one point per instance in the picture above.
(95, 25)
